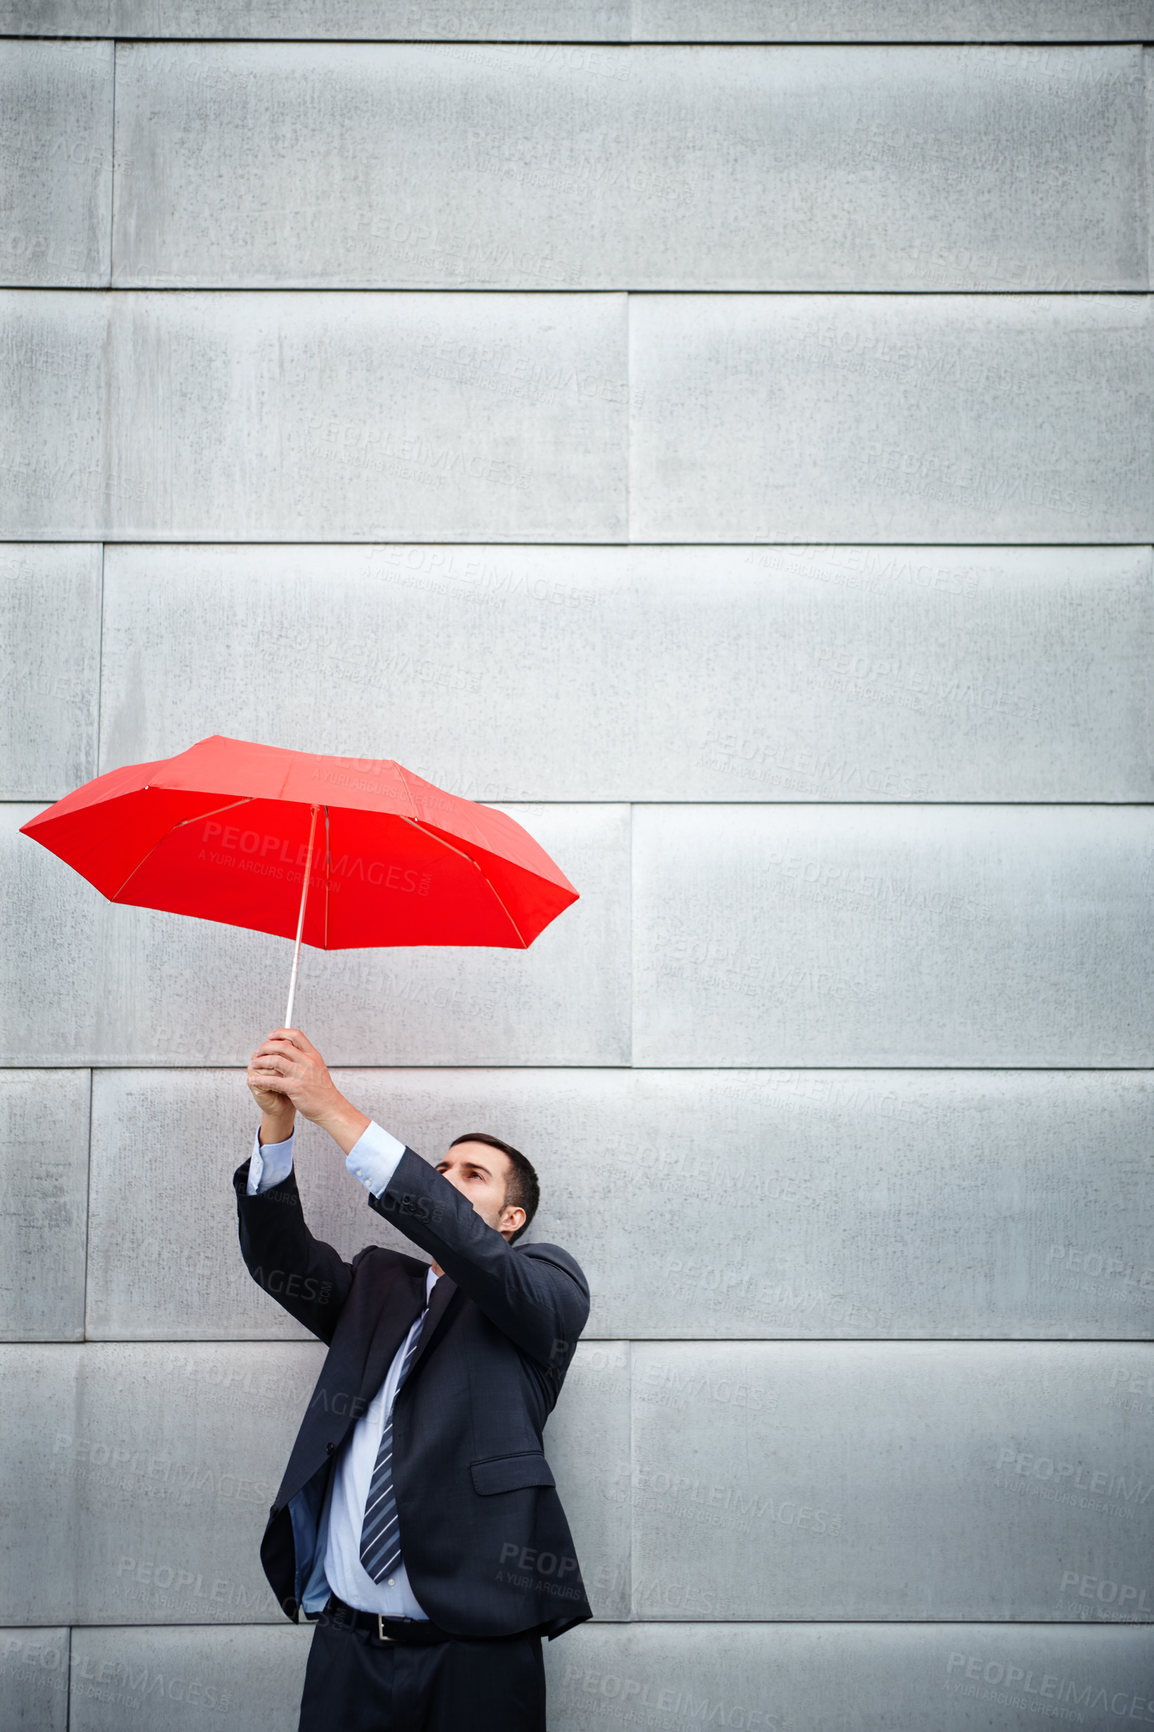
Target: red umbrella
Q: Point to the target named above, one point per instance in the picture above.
(340, 852)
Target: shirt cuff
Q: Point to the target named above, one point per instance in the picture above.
(269, 1165)
(373, 1158)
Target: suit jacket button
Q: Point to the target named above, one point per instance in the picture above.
(272, 1510)
(329, 1447)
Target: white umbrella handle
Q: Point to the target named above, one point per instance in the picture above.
(288, 1015)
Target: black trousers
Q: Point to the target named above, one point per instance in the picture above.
(353, 1683)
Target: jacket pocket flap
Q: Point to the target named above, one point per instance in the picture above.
(509, 1472)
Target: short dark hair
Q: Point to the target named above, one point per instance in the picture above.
(521, 1189)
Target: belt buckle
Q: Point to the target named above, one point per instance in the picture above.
(381, 1636)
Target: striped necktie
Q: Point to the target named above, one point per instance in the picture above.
(380, 1534)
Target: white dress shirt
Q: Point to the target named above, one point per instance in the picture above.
(372, 1160)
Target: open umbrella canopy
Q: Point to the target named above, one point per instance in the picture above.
(226, 830)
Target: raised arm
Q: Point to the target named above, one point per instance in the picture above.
(309, 1278)
(302, 1273)
(537, 1295)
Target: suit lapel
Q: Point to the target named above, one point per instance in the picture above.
(444, 1291)
(387, 1338)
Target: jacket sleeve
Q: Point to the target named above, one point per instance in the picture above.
(304, 1275)
(538, 1297)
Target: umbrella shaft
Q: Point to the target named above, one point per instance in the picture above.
(288, 1015)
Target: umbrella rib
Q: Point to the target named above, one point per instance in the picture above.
(179, 825)
(474, 863)
(408, 790)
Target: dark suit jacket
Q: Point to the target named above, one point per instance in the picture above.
(483, 1535)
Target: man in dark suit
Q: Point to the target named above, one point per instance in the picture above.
(417, 1521)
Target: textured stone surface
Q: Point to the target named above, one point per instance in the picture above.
(892, 796)
(418, 166)
(592, 20)
(856, 1203)
(56, 157)
(350, 417)
(714, 673)
(52, 413)
(908, 1480)
(43, 1211)
(49, 950)
(892, 20)
(144, 1476)
(775, 1203)
(578, 21)
(587, 1443)
(34, 1679)
(165, 1140)
(892, 935)
(913, 418)
(123, 985)
(810, 1677)
(145, 1473)
(189, 1680)
(164, 1147)
(837, 418)
(287, 416)
(1148, 68)
(49, 667)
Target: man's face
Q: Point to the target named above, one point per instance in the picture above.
(482, 1173)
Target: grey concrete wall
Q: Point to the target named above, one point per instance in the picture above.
(721, 436)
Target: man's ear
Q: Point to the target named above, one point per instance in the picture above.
(512, 1217)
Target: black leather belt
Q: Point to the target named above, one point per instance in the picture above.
(417, 1630)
